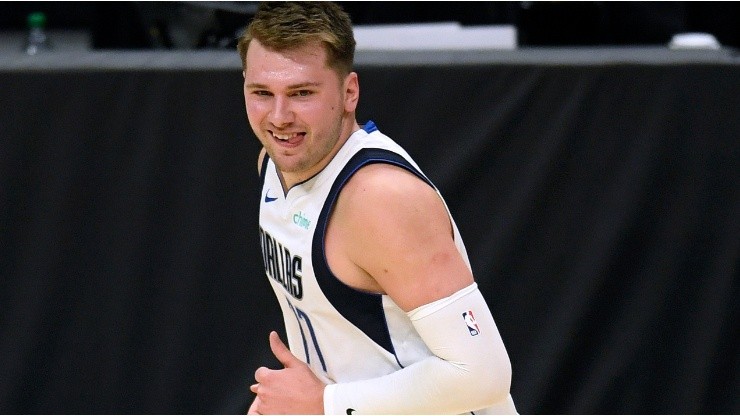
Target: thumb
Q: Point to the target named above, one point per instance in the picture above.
(281, 352)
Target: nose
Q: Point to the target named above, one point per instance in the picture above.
(281, 113)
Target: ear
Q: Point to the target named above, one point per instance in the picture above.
(244, 74)
(351, 92)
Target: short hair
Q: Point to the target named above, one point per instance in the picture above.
(282, 26)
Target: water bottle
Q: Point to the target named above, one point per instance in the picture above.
(37, 40)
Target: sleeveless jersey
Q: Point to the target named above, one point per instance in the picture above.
(342, 333)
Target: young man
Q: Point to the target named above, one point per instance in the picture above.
(381, 310)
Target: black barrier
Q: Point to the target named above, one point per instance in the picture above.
(599, 204)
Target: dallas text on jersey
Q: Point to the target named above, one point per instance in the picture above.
(281, 265)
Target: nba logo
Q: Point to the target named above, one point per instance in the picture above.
(471, 323)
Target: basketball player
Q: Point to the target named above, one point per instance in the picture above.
(381, 310)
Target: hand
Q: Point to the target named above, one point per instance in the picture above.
(253, 408)
(293, 390)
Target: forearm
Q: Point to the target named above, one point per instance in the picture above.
(469, 370)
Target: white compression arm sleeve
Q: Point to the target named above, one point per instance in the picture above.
(469, 370)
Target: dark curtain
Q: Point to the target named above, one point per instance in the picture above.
(599, 203)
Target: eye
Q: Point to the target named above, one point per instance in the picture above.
(303, 93)
(261, 93)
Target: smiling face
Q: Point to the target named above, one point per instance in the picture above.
(298, 107)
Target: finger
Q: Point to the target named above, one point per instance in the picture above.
(282, 353)
(259, 375)
(253, 388)
(253, 408)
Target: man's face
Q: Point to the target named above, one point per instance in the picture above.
(298, 107)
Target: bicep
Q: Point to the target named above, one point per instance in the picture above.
(402, 237)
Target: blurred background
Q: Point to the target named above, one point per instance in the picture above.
(191, 25)
(592, 170)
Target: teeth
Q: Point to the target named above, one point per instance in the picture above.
(284, 137)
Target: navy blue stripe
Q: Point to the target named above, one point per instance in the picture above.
(364, 310)
(263, 169)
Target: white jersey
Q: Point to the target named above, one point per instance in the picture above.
(342, 333)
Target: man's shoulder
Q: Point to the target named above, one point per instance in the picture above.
(383, 185)
(385, 178)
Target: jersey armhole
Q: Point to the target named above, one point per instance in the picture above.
(364, 310)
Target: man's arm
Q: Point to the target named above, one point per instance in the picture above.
(396, 228)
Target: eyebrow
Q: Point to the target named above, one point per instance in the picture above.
(256, 85)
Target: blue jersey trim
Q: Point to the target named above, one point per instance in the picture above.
(370, 126)
(362, 309)
(263, 168)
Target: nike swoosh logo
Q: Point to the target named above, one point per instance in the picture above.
(268, 198)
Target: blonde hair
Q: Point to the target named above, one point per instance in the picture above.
(283, 26)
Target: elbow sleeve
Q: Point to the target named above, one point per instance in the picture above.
(460, 330)
(469, 370)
